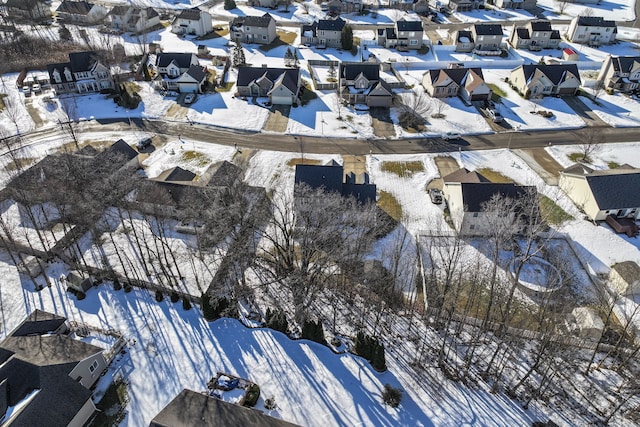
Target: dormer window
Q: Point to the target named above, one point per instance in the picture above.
(56, 76)
(67, 74)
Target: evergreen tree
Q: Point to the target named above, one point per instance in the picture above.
(207, 309)
(238, 55)
(313, 331)
(229, 4)
(288, 58)
(346, 37)
(378, 361)
(186, 304)
(296, 59)
(159, 296)
(276, 320)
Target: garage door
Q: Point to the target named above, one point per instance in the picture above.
(378, 101)
(188, 87)
(281, 100)
(479, 97)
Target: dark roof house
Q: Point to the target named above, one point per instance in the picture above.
(330, 178)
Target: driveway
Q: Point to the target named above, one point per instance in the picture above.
(278, 119)
(445, 165)
(542, 163)
(355, 164)
(381, 122)
(583, 111)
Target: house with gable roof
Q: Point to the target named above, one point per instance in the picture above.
(361, 83)
(467, 83)
(280, 85)
(26, 9)
(323, 33)
(194, 80)
(332, 179)
(133, 19)
(535, 36)
(464, 5)
(171, 67)
(47, 375)
(483, 39)
(539, 80)
(192, 21)
(253, 29)
(592, 30)
(404, 33)
(515, 4)
(80, 12)
(83, 73)
(621, 73)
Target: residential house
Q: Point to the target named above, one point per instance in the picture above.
(602, 193)
(253, 29)
(467, 194)
(464, 41)
(535, 35)
(211, 412)
(194, 80)
(271, 4)
(539, 80)
(80, 12)
(404, 33)
(323, 33)
(83, 73)
(45, 375)
(332, 179)
(421, 7)
(621, 73)
(280, 85)
(464, 5)
(624, 277)
(132, 19)
(467, 83)
(170, 66)
(487, 37)
(336, 7)
(361, 83)
(192, 21)
(515, 4)
(592, 30)
(32, 10)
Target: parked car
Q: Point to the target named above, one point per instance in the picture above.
(436, 196)
(26, 90)
(450, 135)
(190, 98)
(144, 143)
(402, 48)
(36, 88)
(494, 115)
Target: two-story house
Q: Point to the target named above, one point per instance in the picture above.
(539, 80)
(280, 85)
(253, 29)
(405, 33)
(336, 7)
(515, 4)
(592, 30)
(169, 67)
(360, 83)
(80, 12)
(464, 5)
(467, 83)
(621, 73)
(323, 33)
(192, 21)
(535, 36)
(487, 37)
(132, 19)
(32, 10)
(83, 73)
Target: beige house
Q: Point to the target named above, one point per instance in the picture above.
(280, 85)
(535, 35)
(192, 21)
(323, 33)
(83, 73)
(624, 277)
(621, 73)
(467, 83)
(592, 30)
(253, 29)
(132, 19)
(45, 371)
(599, 194)
(539, 80)
(407, 34)
(80, 12)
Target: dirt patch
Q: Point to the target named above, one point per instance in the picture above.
(278, 119)
(176, 111)
(542, 163)
(33, 112)
(301, 161)
(381, 123)
(355, 164)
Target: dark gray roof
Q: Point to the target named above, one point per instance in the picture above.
(82, 61)
(190, 14)
(120, 10)
(331, 24)
(540, 25)
(464, 33)
(488, 29)
(578, 169)
(595, 21)
(182, 60)
(246, 75)
(198, 72)
(189, 406)
(624, 64)
(313, 27)
(120, 147)
(409, 25)
(23, 4)
(221, 174)
(176, 174)
(328, 177)
(44, 350)
(60, 67)
(252, 21)
(39, 323)
(555, 34)
(474, 194)
(523, 33)
(615, 191)
(351, 70)
(458, 75)
(464, 175)
(75, 7)
(555, 72)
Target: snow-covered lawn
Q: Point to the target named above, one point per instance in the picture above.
(616, 110)
(618, 10)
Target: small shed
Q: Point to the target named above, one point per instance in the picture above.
(624, 277)
(75, 281)
(589, 323)
(569, 54)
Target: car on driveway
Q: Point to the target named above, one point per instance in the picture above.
(190, 98)
(494, 115)
(144, 143)
(26, 90)
(36, 88)
(436, 196)
(450, 135)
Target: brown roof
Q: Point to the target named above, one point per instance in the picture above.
(464, 175)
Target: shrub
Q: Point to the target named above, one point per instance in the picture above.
(186, 304)
(229, 4)
(252, 396)
(159, 296)
(276, 320)
(127, 287)
(215, 308)
(313, 331)
(175, 297)
(372, 350)
(116, 285)
(391, 396)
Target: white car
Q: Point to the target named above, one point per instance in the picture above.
(26, 90)
(189, 98)
(36, 88)
(450, 135)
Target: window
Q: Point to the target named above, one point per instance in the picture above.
(608, 29)
(475, 214)
(93, 366)
(580, 36)
(413, 42)
(248, 29)
(264, 37)
(472, 227)
(237, 35)
(536, 34)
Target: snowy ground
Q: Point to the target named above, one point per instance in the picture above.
(616, 10)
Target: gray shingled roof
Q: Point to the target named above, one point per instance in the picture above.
(327, 177)
(23, 4)
(190, 14)
(464, 175)
(182, 60)
(75, 7)
(488, 29)
(409, 25)
(464, 33)
(475, 195)
(458, 75)
(82, 61)
(540, 25)
(351, 70)
(252, 21)
(246, 75)
(39, 323)
(198, 72)
(615, 191)
(555, 72)
(176, 174)
(595, 21)
(211, 412)
(331, 24)
(624, 64)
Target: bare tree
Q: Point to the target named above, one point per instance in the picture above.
(562, 6)
(591, 144)
(414, 107)
(439, 106)
(69, 118)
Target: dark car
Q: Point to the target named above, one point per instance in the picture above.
(144, 143)
(436, 196)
